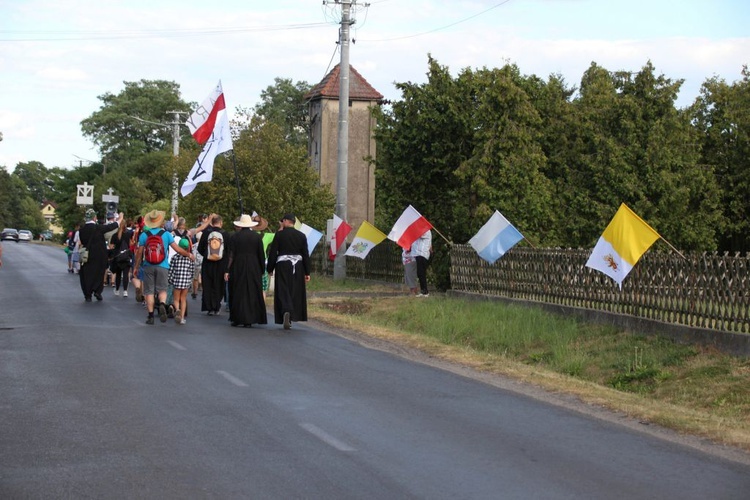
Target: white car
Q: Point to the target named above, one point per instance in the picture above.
(25, 235)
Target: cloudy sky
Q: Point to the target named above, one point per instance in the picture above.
(57, 57)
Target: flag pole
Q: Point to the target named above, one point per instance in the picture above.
(237, 181)
(672, 247)
(441, 235)
(529, 242)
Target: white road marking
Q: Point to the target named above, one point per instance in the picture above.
(176, 345)
(326, 438)
(232, 378)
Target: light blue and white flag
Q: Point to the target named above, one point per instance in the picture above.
(495, 238)
(313, 236)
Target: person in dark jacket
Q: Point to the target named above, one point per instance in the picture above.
(245, 269)
(91, 236)
(288, 257)
(212, 271)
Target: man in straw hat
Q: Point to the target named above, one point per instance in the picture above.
(288, 257)
(155, 272)
(245, 268)
(91, 236)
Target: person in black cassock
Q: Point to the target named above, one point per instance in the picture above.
(288, 257)
(212, 271)
(245, 270)
(92, 272)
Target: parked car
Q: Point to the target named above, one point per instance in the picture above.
(25, 235)
(9, 234)
(45, 235)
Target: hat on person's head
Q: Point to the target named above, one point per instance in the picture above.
(184, 243)
(245, 221)
(262, 223)
(154, 218)
(90, 214)
(290, 217)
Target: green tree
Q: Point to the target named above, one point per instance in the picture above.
(506, 170)
(284, 104)
(11, 194)
(274, 177)
(722, 118)
(120, 128)
(630, 144)
(422, 140)
(39, 181)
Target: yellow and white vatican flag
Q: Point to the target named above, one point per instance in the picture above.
(367, 238)
(624, 241)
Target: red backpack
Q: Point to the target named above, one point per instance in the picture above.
(154, 252)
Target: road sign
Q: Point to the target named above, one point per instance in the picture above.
(84, 194)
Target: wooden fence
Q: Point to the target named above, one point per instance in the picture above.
(708, 290)
(383, 263)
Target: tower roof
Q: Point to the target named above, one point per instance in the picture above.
(359, 88)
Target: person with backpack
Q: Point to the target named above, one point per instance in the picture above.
(70, 247)
(212, 249)
(182, 270)
(122, 257)
(152, 257)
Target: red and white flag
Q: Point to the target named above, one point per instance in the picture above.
(408, 228)
(219, 141)
(203, 121)
(340, 231)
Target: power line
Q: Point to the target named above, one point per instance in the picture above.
(440, 28)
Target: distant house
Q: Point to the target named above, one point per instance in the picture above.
(323, 145)
(48, 212)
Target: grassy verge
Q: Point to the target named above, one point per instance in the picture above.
(687, 388)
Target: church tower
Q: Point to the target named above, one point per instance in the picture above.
(323, 105)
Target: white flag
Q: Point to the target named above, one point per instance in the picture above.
(203, 120)
(219, 142)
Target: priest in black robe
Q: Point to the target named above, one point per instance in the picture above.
(91, 236)
(289, 262)
(245, 268)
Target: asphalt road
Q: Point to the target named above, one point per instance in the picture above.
(94, 403)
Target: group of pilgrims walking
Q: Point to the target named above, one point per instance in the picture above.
(166, 261)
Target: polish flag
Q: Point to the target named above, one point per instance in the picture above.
(203, 121)
(408, 228)
(340, 231)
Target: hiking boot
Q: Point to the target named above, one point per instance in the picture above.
(287, 321)
(150, 320)
(178, 316)
(170, 311)
(162, 313)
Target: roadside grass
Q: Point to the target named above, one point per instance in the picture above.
(688, 388)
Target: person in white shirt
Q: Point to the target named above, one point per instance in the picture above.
(421, 250)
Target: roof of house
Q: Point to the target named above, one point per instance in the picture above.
(49, 202)
(359, 88)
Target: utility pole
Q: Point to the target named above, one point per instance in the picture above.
(175, 148)
(342, 174)
(176, 152)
